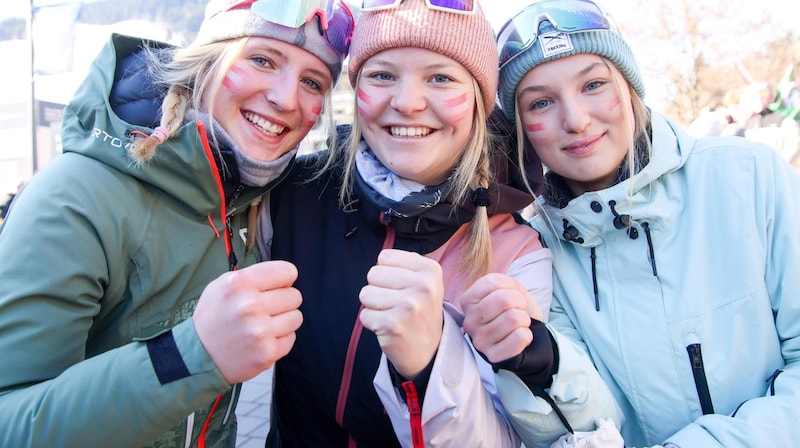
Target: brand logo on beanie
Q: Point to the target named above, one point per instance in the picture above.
(555, 42)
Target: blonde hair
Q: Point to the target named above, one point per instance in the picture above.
(194, 76)
(472, 171)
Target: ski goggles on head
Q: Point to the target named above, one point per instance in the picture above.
(335, 17)
(567, 16)
(455, 6)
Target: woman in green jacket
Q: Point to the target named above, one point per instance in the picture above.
(120, 323)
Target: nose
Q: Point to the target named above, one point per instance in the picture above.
(408, 98)
(577, 115)
(282, 92)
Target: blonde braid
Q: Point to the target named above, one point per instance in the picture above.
(470, 181)
(173, 110)
(478, 254)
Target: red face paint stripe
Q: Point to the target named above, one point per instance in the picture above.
(535, 127)
(457, 101)
(366, 99)
(233, 77)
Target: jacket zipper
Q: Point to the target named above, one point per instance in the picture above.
(201, 440)
(700, 381)
(352, 347)
(412, 398)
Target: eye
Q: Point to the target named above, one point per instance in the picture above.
(594, 85)
(262, 61)
(441, 79)
(312, 84)
(380, 76)
(540, 104)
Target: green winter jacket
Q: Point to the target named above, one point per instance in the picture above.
(102, 264)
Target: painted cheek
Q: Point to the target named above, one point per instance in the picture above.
(614, 103)
(535, 127)
(455, 107)
(235, 80)
(364, 103)
(536, 133)
(316, 110)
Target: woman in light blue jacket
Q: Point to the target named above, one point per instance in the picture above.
(676, 260)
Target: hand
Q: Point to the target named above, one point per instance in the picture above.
(497, 316)
(403, 307)
(246, 319)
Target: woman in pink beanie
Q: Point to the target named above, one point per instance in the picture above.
(409, 221)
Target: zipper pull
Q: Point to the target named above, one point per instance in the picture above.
(700, 381)
(232, 260)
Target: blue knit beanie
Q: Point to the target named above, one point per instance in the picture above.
(607, 43)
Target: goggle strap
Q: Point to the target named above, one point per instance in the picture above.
(323, 18)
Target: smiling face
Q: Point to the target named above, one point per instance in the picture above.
(271, 97)
(415, 109)
(577, 119)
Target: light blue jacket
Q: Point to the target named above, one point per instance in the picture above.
(711, 261)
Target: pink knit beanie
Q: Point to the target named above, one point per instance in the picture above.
(467, 39)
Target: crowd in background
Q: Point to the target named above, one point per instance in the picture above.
(758, 111)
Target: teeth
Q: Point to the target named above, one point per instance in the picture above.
(266, 126)
(410, 132)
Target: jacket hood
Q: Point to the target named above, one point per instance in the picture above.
(183, 166)
(639, 198)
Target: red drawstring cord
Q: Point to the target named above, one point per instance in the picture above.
(412, 400)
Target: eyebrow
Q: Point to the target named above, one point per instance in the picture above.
(437, 66)
(582, 72)
(274, 51)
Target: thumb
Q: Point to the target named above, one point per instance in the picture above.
(268, 275)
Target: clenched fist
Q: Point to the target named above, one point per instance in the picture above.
(497, 316)
(403, 307)
(246, 319)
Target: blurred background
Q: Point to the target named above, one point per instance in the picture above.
(697, 56)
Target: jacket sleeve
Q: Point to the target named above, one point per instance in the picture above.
(771, 419)
(53, 274)
(577, 389)
(460, 406)
(535, 271)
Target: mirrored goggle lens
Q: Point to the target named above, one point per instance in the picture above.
(336, 18)
(567, 16)
(288, 13)
(462, 6)
(376, 5)
(457, 6)
(340, 28)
